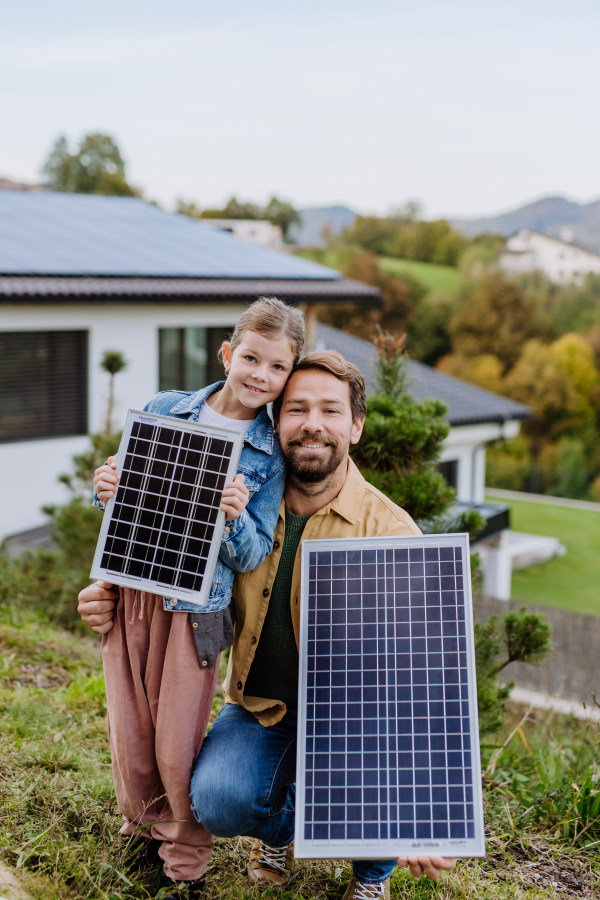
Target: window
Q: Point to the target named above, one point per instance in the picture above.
(188, 357)
(449, 469)
(43, 384)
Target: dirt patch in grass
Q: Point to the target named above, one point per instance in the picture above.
(10, 886)
(39, 676)
(540, 866)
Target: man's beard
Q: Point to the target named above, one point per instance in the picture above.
(312, 469)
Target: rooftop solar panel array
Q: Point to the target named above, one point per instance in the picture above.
(388, 747)
(162, 531)
(77, 234)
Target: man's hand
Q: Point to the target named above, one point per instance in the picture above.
(431, 866)
(106, 479)
(96, 606)
(235, 498)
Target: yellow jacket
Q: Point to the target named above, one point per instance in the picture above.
(359, 510)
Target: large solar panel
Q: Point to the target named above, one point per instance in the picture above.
(388, 744)
(162, 531)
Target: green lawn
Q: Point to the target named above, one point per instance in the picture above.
(571, 581)
(434, 277)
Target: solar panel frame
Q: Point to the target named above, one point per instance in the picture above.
(149, 523)
(333, 776)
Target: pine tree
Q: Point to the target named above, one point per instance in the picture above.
(401, 444)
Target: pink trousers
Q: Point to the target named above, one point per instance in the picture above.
(159, 703)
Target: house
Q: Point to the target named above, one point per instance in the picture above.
(560, 260)
(83, 274)
(256, 231)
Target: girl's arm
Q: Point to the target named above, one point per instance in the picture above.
(249, 539)
(106, 478)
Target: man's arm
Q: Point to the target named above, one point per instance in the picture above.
(96, 606)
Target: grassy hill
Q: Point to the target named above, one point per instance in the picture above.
(432, 276)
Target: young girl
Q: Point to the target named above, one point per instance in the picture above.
(161, 655)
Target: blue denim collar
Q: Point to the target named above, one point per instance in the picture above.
(260, 435)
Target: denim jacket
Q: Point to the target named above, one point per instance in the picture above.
(247, 540)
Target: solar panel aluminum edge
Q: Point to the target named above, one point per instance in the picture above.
(198, 597)
(384, 826)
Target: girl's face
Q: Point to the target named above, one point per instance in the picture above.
(258, 368)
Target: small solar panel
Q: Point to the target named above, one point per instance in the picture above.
(388, 743)
(162, 531)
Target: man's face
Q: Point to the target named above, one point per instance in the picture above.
(315, 424)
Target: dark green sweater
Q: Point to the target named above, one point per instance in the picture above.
(274, 670)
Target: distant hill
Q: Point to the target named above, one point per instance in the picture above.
(555, 216)
(310, 232)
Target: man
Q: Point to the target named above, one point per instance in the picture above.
(243, 782)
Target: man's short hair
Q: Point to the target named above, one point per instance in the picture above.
(333, 362)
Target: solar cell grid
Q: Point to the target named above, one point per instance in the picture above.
(386, 707)
(163, 528)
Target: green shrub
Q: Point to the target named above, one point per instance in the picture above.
(47, 582)
(517, 637)
(401, 444)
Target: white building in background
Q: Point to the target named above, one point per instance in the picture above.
(255, 231)
(560, 260)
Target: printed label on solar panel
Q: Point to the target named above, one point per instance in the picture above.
(388, 743)
(162, 531)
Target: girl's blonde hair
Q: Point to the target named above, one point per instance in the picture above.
(272, 318)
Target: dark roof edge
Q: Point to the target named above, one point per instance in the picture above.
(125, 276)
(31, 288)
(517, 415)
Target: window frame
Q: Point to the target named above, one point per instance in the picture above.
(43, 384)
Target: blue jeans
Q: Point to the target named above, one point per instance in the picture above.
(243, 783)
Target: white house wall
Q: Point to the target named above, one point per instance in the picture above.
(466, 444)
(31, 470)
(34, 466)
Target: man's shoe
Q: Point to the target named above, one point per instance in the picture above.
(180, 890)
(358, 890)
(271, 864)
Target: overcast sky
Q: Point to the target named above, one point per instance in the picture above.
(469, 106)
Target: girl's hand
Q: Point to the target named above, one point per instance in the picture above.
(431, 866)
(106, 479)
(235, 498)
